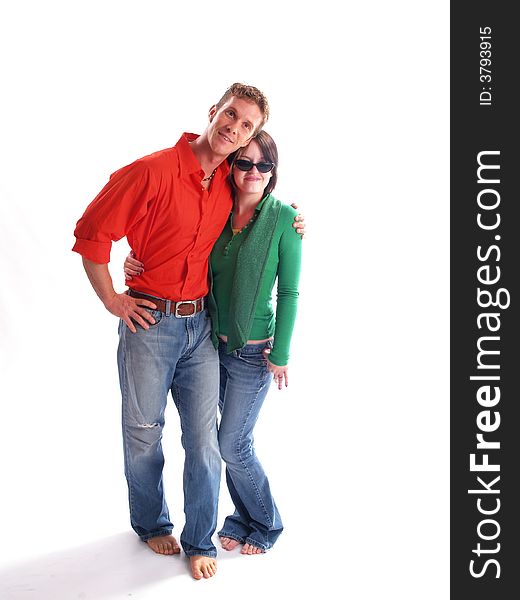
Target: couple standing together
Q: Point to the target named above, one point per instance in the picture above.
(198, 320)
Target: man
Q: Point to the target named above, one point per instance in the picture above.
(172, 206)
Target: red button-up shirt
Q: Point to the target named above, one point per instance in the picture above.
(170, 220)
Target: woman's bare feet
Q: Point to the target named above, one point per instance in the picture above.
(228, 543)
(250, 549)
(164, 544)
(203, 566)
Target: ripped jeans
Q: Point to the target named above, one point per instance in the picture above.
(175, 354)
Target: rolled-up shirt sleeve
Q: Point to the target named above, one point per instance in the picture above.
(118, 207)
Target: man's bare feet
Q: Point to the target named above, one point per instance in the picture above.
(203, 566)
(164, 544)
(228, 543)
(250, 549)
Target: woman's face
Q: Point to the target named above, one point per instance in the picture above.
(251, 182)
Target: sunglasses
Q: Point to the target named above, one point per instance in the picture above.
(247, 165)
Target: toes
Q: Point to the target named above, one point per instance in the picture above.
(173, 549)
(164, 545)
(211, 568)
(228, 543)
(203, 567)
(250, 549)
(207, 571)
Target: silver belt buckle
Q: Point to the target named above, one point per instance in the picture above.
(194, 302)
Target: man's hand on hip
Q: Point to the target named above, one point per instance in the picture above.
(131, 309)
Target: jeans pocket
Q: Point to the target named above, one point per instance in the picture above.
(255, 359)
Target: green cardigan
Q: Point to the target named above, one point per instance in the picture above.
(243, 270)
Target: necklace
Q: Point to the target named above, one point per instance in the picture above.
(239, 229)
(238, 232)
(210, 177)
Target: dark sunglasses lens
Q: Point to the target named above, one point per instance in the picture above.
(247, 165)
(244, 165)
(264, 167)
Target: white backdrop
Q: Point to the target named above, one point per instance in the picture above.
(357, 447)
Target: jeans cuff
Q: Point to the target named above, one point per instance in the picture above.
(149, 536)
(232, 536)
(208, 553)
(257, 544)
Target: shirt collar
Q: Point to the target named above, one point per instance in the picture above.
(187, 159)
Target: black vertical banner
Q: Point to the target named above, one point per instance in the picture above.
(485, 298)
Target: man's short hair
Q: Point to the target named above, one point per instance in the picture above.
(247, 92)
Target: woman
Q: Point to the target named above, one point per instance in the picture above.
(257, 246)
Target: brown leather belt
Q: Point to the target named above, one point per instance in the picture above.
(185, 308)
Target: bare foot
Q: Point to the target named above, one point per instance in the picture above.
(250, 549)
(203, 566)
(228, 543)
(164, 544)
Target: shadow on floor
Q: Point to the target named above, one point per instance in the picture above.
(117, 565)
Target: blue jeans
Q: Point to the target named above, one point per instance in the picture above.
(244, 382)
(174, 354)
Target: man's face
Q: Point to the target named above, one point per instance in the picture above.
(232, 125)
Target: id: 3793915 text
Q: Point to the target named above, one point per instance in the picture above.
(485, 66)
